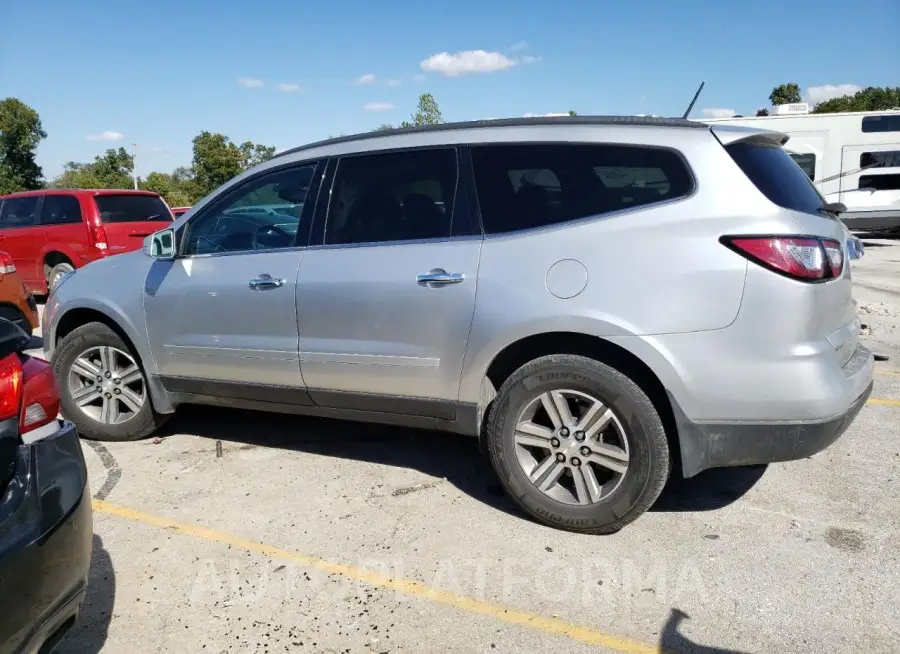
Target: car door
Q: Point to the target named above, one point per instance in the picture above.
(221, 317)
(385, 301)
(20, 236)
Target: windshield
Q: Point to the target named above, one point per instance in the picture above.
(777, 175)
(132, 208)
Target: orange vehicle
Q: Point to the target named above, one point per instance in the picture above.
(16, 302)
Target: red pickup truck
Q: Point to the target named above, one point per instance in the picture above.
(51, 233)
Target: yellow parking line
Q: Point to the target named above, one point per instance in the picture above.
(534, 621)
(883, 401)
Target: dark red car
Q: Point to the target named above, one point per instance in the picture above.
(51, 233)
(177, 211)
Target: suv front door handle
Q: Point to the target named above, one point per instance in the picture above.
(438, 277)
(264, 282)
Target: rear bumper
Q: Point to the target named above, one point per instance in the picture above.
(46, 534)
(719, 445)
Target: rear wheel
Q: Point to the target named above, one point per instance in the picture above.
(16, 317)
(103, 389)
(577, 444)
(56, 273)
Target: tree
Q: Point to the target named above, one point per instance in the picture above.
(869, 99)
(254, 153)
(427, 113)
(762, 111)
(785, 94)
(383, 127)
(573, 113)
(20, 133)
(217, 159)
(112, 169)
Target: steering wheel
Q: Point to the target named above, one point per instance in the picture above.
(271, 236)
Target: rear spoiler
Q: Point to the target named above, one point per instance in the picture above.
(728, 134)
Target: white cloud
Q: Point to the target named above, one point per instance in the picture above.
(718, 113)
(108, 135)
(521, 45)
(419, 77)
(250, 82)
(288, 87)
(393, 83)
(467, 62)
(158, 149)
(817, 94)
(378, 106)
(530, 59)
(368, 78)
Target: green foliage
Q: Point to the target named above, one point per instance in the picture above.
(217, 159)
(112, 169)
(253, 154)
(785, 94)
(177, 188)
(573, 113)
(762, 111)
(20, 133)
(383, 127)
(869, 99)
(427, 113)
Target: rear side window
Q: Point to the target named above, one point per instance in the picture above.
(776, 175)
(60, 210)
(18, 212)
(880, 182)
(131, 208)
(884, 159)
(525, 186)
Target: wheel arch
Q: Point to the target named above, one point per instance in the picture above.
(76, 317)
(521, 351)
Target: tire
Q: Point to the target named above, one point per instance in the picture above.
(86, 342)
(15, 315)
(56, 272)
(618, 498)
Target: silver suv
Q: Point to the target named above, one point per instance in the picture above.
(601, 300)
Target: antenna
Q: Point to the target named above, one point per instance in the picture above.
(691, 105)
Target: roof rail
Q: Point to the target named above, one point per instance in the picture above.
(647, 121)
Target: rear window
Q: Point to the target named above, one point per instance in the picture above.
(776, 175)
(132, 208)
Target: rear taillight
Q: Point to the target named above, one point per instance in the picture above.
(97, 235)
(40, 398)
(28, 391)
(10, 386)
(805, 258)
(7, 265)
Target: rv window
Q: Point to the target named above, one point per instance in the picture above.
(880, 182)
(881, 123)
(807, 163)
(885, 159)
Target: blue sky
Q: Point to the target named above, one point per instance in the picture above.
(104, 73)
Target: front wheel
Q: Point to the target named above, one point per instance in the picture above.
(577, 444)
(103, 389)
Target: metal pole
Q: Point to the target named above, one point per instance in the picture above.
(133, 164)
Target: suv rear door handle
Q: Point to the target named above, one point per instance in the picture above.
(264, 282)
(439, 277)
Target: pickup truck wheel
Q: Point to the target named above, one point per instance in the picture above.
(577, 444)
(103, 389)
(56, 273)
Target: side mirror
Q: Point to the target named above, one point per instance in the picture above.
(160, 245)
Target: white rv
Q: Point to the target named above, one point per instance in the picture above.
(852, 158)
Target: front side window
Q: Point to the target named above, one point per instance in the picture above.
(261, 214)
(18, 212)
(398, 196)
(880, 182)
(60, 210)
(525, 186)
